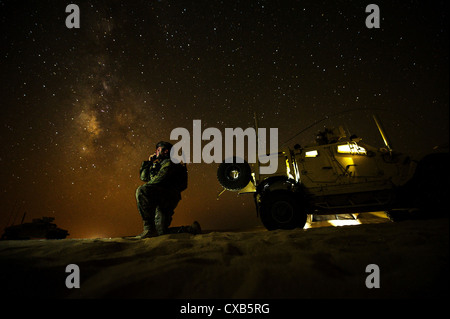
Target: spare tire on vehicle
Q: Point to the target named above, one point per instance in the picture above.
(234, 176)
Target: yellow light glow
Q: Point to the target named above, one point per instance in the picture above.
(345, 222)
(333, 223)
(311, 154)
(288, 170)
(351, 148)
(347, 163)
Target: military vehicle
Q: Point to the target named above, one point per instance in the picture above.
(39, 228)
(341, 174)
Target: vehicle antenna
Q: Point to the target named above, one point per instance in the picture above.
(23, 217)
(383, 133)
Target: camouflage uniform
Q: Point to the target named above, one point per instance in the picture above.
(157, 199)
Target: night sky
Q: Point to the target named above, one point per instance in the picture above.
(82, 108)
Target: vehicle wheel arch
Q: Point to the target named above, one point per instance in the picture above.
(276, 183)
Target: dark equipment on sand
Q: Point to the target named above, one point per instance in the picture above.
(42, 228)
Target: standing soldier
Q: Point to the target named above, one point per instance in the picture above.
(157, 199)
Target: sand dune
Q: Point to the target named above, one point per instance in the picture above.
(323, 262)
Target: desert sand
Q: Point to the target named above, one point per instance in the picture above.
(318, 262)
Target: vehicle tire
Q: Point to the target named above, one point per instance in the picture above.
(282, 210)
(234, 176)
(433, 184)
(400, 215)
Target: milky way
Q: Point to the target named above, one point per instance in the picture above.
(82, 108)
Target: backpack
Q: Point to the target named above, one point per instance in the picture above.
(182, 176)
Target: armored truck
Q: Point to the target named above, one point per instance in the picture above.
(340, 174)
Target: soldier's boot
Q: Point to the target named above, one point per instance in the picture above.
(149, 230)
(162, 221)
(194, 228)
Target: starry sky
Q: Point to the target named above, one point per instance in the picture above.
(82, 108)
